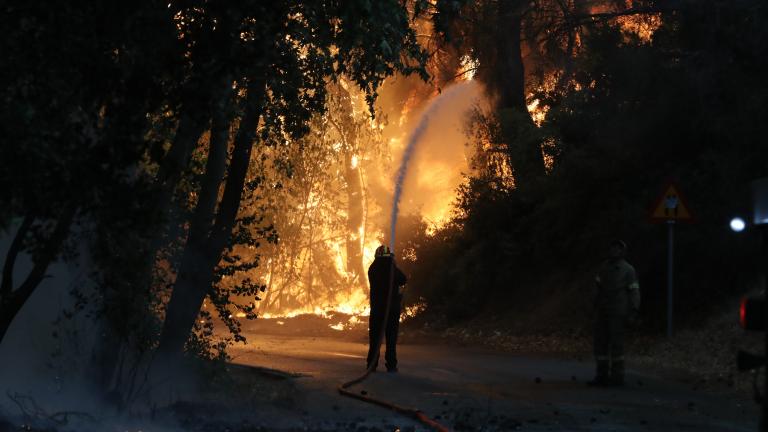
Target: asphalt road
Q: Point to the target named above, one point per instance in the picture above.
(476, 389)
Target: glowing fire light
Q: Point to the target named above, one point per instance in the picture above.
(538, 113)
(413, 310)
(325, 283)
(468, 68)
(643, 26)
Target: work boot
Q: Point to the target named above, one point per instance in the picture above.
(601, 377)
(616, 378)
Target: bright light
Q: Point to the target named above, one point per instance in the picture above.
(743, 313)
(738, 224)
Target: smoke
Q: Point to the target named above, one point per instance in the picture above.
(439, 161)
(47, 365)
(44, 361)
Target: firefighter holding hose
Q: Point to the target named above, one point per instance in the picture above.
(384, 275)
(617, 304)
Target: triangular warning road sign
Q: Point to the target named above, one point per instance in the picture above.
(671, 206)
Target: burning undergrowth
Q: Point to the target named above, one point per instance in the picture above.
(322, 323)
(310, 324)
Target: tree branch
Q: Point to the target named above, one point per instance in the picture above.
(50, 252)
(582, 19)
(10, 259)
(215, 167)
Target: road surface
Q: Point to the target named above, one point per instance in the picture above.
(477, 389)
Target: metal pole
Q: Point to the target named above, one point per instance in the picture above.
(670, 274)
(764, 254)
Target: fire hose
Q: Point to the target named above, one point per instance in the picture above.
(413, 413)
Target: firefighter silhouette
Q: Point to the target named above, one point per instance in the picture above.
(384, 275)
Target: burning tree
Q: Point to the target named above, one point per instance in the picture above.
(321, 210)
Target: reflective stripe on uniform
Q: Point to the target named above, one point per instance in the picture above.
(634, 285)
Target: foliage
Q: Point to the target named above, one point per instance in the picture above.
(686, 106)
(104, 106)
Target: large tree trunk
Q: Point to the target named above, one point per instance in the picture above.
(517, 125)
(176, 161)
(194, 119)
(6, 287)
(355, 193)
(207, 240)
(197, 109)
(355, 213)
(11, 301)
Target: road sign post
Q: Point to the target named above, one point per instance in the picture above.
(670, 275)
(760, 219)
(670, 208)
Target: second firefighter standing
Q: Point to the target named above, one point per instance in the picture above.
(616, 305)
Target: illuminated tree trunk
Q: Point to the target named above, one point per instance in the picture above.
(355, 192)
(210, 231)
(355, 213)
(517, 125)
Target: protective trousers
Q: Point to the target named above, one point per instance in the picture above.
(609, 346)
(374, 331)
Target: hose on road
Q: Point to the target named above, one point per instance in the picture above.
(413, 413)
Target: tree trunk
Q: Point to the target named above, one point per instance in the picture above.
(10, 258)
(192, 123)
(517, 125)
(187, 134)
(206, 240)
(355, 212)
(13, 301)
(355, 197)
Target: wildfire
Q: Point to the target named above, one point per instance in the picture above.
(327, 244)
(468, 68)
(323, 271)
(538, 113)
(413, 310)
(352, 302)
(643, 26)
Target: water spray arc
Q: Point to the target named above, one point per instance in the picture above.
(402, 171)
(410, 148)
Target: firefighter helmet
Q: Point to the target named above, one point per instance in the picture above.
(617, 249)
(383, 251)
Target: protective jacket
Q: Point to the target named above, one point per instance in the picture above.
(380, 273)
(618, 294)
(618, 289)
